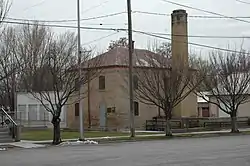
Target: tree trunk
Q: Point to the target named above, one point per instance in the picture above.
(234, 128)
(168, 131)
(57, 131)
(159, 112)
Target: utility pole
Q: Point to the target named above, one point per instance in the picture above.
(13, 110)
(89, 107)
(80, 70)
(131, 50)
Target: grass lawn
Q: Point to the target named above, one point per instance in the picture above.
(41, 135)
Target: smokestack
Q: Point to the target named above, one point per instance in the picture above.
(179, 37)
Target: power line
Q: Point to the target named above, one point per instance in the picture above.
(51, 21)
(190, 43)
(119, 13)
(37, 4)
(65, 26)
(93, 7)
(205, 11)
(67, 20)
(190, 16)
(98, 39)
(122, 29)
(243, 2)
(204, 36)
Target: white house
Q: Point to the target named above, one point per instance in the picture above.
(31, 113)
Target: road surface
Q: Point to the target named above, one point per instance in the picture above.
(219, 151)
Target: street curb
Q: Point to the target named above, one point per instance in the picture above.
(152, 137)
(137, 139)
(184, 136)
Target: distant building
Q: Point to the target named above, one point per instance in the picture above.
(243, 110)
(207, 109)
(203, 108)
(31, 113)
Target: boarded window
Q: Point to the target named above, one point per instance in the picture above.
(205, 112)
(77, 109)
(102, 82)
(136, 108)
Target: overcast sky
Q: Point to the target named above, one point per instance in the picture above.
(66, 9)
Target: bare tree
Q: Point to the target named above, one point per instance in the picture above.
(51, 71)
(6, 59)
(4, 9)
(163, 83)
(8, 66)
(227, 78)
(122, 42)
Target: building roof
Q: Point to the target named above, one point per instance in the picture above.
(202, 97)
(119, 56)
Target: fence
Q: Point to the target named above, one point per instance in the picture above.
(31, 120)
(190, 123)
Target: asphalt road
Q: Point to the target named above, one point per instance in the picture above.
(219, 151)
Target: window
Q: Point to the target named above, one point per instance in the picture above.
(111, 110)
(76, 109)
(135, 80)
(136, 108)
(102, 82)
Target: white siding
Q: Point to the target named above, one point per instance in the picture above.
(30, 111)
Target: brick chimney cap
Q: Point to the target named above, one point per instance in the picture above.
(179, 11)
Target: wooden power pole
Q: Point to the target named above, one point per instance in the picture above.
(131, 90)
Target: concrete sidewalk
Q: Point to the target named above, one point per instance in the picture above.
(39, 144)
(21, 144)
(140, 136)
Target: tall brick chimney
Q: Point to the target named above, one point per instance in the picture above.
(179, 37)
